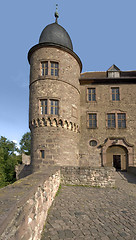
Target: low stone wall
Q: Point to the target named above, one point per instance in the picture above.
(100, 177)
(132, 170)
(24, 205)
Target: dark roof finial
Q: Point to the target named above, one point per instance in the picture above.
(56, 13)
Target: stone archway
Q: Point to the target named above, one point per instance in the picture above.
(117, 156)
(119, 148)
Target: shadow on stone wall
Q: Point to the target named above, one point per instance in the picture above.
(132, 170)
(24, 169)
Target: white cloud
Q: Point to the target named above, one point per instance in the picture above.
(16, 142)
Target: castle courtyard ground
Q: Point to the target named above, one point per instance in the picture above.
(92, 213)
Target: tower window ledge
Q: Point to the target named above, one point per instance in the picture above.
(53, 116)
(47, 77)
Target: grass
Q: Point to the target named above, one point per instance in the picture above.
(81, 185)
(57, 193)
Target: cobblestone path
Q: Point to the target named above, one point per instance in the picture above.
(94, 213)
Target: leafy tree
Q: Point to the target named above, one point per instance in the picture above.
(25, 143)
(9, 157)
(8, 160)
(2, 168)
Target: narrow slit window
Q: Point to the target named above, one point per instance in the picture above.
(42, 155)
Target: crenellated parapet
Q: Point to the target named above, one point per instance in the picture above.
(54, 122)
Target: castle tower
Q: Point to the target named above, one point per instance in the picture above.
(54, 108)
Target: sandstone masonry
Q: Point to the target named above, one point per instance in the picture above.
(25, 204)
(79, 119)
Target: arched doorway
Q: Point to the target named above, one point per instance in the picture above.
(117, 146)
(117, 156)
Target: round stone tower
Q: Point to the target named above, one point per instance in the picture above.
(54, 105)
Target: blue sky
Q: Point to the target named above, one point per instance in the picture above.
(103, 33)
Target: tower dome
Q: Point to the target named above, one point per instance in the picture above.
(56, 35)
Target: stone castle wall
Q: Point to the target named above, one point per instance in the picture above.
(91, 155)
(96, 177)
(60, 146)
(58, 134)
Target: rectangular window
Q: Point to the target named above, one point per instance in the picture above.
(44, 68)
(115, 94)
(54, 69)
(111, 120)
(43, 106)
(92, 120)
(113, 74)
(42, 154)
(91, 94)
(54, 106)
(121, 120)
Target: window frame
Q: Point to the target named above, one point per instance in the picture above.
(54, 107)
(44, 105)
(42, 154)
(42, 61)
(46, 68)
(111, 94)
(116, 119)
(92, 88)
(91, 143)
(111, 120)
(48, 106)
(122, 119)
(113, 74)
(54, 68)
(96, 125)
